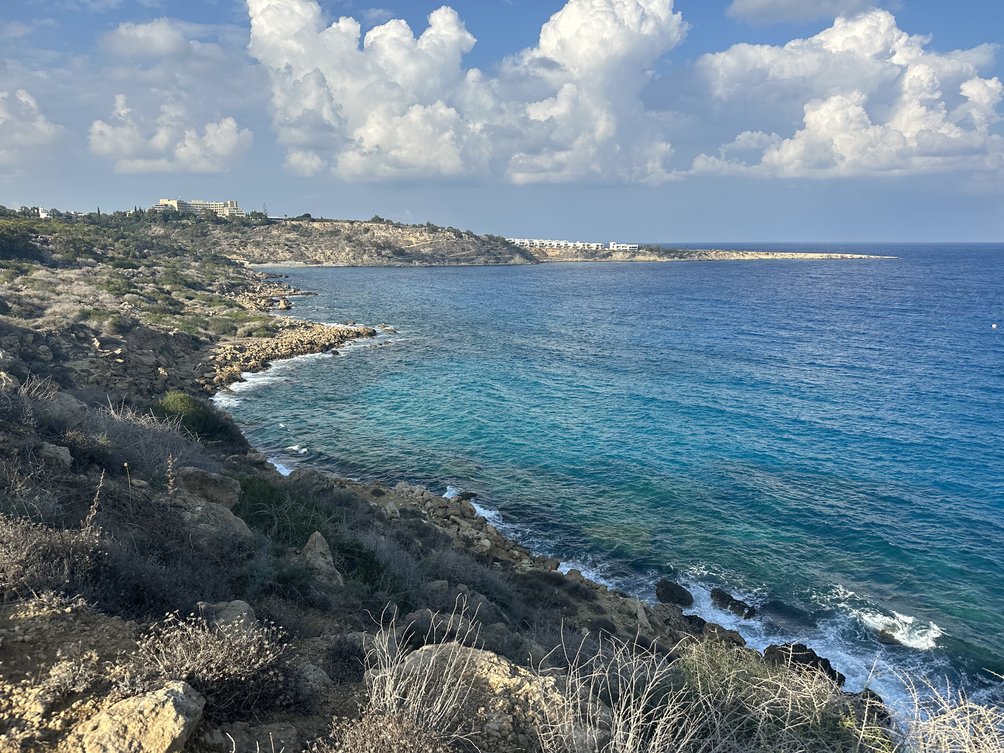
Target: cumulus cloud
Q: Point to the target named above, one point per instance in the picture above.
(168, 143)
(22, 126)
(163, 37)
(871, 99)
(392, 105)
(768, 11)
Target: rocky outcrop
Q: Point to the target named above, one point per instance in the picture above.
(60, 411)
(506, 704)
(800, 655)
(671, 592)
(294, 338)
(211, 487)
(724, 600)
(207, 523)
(319, 561)
(157, 722)
(55, 455)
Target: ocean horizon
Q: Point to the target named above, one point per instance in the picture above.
(820, 438)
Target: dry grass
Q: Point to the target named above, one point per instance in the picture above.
(950, 722)
(424, 700)
(711, 698)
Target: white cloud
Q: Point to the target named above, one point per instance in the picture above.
(161, 38)
(768, 11)
(23, 127)
(871, 99)
(168, 143)
(392, 105)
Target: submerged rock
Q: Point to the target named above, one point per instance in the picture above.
(671, 592)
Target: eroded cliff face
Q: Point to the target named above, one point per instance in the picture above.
(353, 243)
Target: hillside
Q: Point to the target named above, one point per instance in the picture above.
(349, 243)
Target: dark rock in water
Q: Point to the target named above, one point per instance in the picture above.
(671, 592)
(718, 633)
(800, 655)
(884, 636)
(786, 614)
(466, 496)
(724, 600)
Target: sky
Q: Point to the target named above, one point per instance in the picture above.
(628, 120)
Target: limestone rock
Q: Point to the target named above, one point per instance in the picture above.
(210, 486)
(8, 381)
(313, 680)
(208, 523)
(157, 722)
(61, 411)
(55, 455)
(226, 613)
(506, 704)
(319, 561)
(671, 592)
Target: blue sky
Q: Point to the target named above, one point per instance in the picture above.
(647, 120)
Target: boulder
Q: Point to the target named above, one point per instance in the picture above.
(9, 382)
(61, 411)
(724, 600)
(157, 722)
(319, 561)
(506, 703)
(55, 455)
(212, 487)
(223, 613)
(208, 524)
(800, 655)
(671, 592)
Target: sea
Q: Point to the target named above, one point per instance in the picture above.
(823, 439)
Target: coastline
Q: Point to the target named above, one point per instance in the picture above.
(688, 255)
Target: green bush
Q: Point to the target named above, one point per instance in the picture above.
(198, 417)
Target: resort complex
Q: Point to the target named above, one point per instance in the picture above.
(532, 243)
(195, 206)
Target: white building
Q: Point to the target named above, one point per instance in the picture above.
(221, 208)
(624, 246)
(545, 243)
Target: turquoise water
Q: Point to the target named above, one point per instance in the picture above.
(822, 438)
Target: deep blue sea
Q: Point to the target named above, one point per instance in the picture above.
(823, 438)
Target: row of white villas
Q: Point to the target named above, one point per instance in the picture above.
(195, 206)
(574, 245)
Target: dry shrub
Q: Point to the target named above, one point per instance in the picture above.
(430, 701)
(949, 721)
(379, 733)
(35, 558)
(239, 669)
(141, 440)
(712, 698)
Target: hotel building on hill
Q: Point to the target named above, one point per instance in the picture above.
(222, 208)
